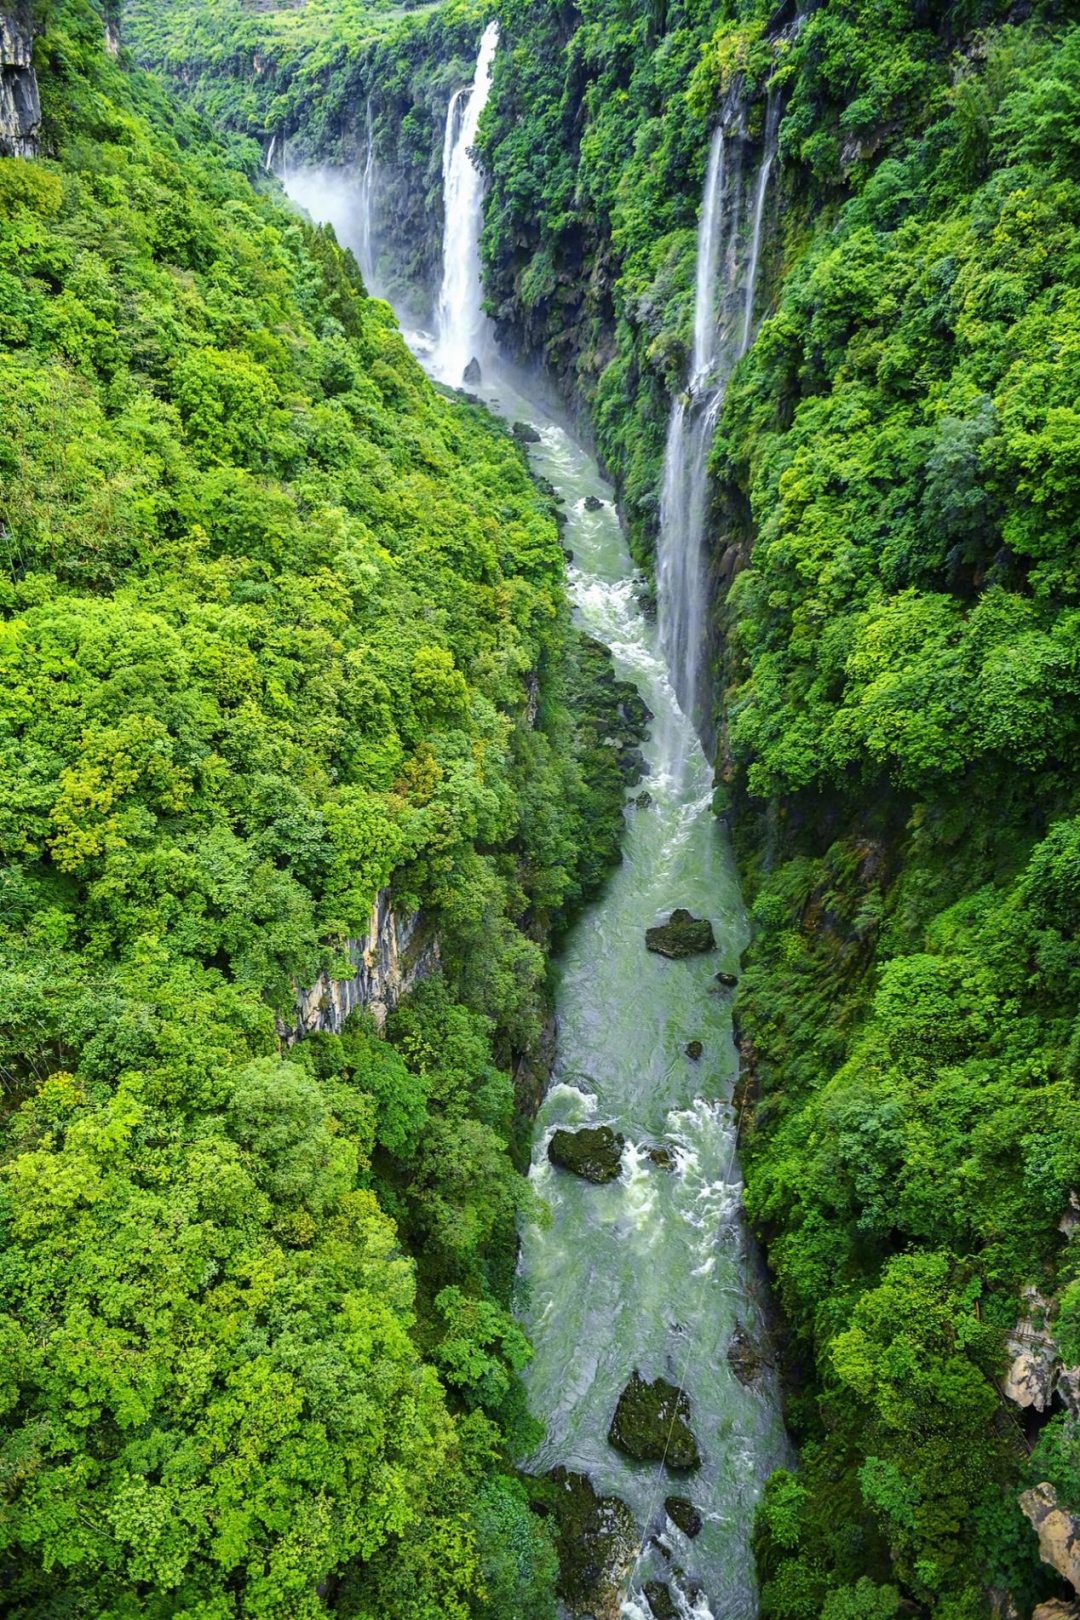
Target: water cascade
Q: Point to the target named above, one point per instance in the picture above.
(461, 332)
(728, 253)
(365, 233)
(653, 1271)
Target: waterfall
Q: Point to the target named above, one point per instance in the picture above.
(461, 326)
(365, 247)
(268, 160)
(725, 284)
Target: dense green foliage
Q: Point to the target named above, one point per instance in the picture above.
(281, 627)
(896, 622)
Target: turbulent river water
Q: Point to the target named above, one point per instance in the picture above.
(653, 1271)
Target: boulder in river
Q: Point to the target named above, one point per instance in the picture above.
(682, 1512)
(660, 1601)
(593, 503)
(744, 1356)
(652, 1423)
(694, 1050)
(728, 980)
(594, 1152)
(525, 433)
(682, 935)
(663, 1157)
(597, 1541)
(643, 801)
(472, 373)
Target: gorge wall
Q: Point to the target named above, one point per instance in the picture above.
(893, 615)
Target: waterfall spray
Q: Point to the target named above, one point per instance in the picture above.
(461, 326)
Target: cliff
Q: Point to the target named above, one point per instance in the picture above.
(20, 104)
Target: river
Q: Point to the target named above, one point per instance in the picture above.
(653, 1271)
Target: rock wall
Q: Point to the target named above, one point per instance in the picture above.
(394, 955)
(20, 106)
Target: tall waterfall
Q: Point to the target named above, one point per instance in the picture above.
(365, 234)
(461, 333)
(728, 252)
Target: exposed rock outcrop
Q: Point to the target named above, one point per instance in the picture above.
(1057, 1529)
(395, 954)
(652, 1424)
(20, 105)
(1037, 1372)
(597, 1541)
(1056, 1609)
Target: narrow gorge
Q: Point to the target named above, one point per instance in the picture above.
(539, 1073)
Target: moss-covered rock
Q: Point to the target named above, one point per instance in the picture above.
(594, 1152)
(596, 1540)
(660, 1601)
(652, 1424)
(694, 1050)
(683, 1514)
(682, 935)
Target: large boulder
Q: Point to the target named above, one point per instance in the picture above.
(660, 1601)
(472, 373)
(1056, 1609)
(1058, 1531)
(594, 1152)
(682, 1512)
(682, 935)
(652, 1424)
(597, 1542)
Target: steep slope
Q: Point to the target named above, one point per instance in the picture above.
(893, 606)
(282, 630)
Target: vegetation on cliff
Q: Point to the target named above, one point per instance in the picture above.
(280, 626)
(896, 488)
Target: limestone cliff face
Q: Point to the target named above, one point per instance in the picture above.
(395, 954)
(20, 106)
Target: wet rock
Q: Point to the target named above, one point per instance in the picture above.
(744, 1356)
(1058, 1531)
(728, 980)
(663, 1157)
(632, 766)
(593, 503)
(652, 1423)
(682, 1512)
(645, 596)
(660, 1601)
(472, 373)
(633, 709)
(596, 1542)
(694, 1050)
(643, 801)
(525, 433)
(682, 935)
(594, 1152)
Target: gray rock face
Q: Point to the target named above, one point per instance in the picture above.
(472, 373)
(594, 1152)
(1037, 1372)
(682, 935)
(652, 1424)
(1058, 1531)
(20, 105)
(597, 1542)
(744, 1357)
(395, 954)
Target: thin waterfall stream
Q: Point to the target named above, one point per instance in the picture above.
(653, 1272)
